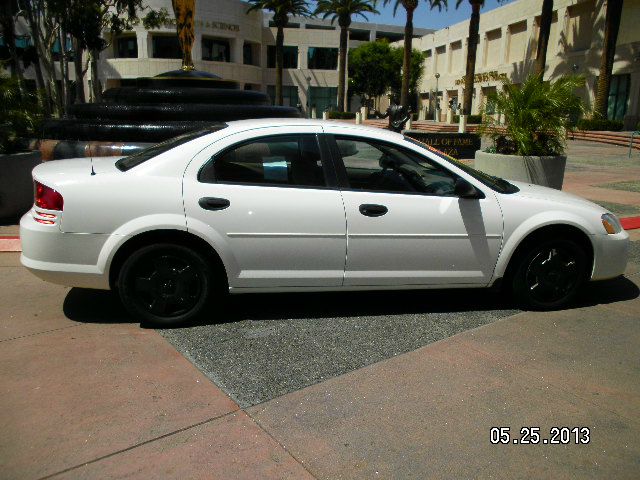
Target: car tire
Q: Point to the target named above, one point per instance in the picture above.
(549, 275)
(165, 284)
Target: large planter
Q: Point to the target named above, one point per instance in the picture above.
(16, 184)
(545, 171)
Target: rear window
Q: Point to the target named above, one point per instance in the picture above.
(136, 159)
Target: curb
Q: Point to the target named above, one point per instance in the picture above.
(10, 244)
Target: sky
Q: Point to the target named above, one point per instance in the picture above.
(425, 18)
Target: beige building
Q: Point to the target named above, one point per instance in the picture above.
(507, 48)
(240, 46)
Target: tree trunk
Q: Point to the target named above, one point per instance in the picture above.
(96, 88)
(279, 62)
(406, 59)
(611, 27)
(77, 64)
(64, 72)
(342, 66)
(472, 49)
(543, 37)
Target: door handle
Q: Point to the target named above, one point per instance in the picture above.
(372, 210)
(213, 203)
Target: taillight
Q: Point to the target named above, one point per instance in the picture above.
(47, 198)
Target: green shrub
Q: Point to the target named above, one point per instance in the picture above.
(470, 119)
(536, 116)
(20, 114)
(333, 115)
(599, 124)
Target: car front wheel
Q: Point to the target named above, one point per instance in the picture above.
(165, 284)
(550, 274)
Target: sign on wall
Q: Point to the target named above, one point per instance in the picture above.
(484, 77)
(457, 145)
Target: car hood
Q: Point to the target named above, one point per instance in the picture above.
(552, 195)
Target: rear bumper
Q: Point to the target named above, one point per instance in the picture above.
(611, 253)
(65, 258)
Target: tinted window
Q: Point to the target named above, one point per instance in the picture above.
(496, 183)
(135, 159)
(289, 57)
(382, 167)
(282, 160)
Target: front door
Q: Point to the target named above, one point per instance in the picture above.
(405, 226)
(262, 197)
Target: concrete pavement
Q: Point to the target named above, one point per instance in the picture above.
(85, 393)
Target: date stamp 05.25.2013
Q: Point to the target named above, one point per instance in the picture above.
(534, 436)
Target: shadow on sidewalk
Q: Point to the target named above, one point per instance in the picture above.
(99, 306)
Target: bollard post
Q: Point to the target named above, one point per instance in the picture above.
(462, 126)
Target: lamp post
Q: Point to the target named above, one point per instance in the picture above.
(435, 114)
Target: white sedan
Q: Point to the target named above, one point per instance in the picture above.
(301, 205)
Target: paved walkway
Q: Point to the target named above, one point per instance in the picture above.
(110, 400)
(106, 399)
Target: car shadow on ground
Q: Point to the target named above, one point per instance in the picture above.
(100, 306)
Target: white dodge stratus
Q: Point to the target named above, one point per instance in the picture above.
(301, 205)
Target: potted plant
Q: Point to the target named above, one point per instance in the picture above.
(19, 117)
(529, 146)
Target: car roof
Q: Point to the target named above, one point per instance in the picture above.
(328, 125)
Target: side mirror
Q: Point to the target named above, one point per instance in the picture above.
(464, 189)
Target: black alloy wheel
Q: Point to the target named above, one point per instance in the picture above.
(165, 284)
(550, 274)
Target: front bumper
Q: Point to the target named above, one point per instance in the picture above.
(611, 253)
(65, 258)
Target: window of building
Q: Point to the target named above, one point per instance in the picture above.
(390, 36)
(289, 57)
(311, 26)
(518, 39)
(359, 35)
(126, 47)
(165, 46)
(440, 58)
(323, 98)
(251, 54)
(322, 58)
(455, 57)
(216, 49)
(381, 167)
(580, 25)
(292, 160)
(492, 47)
(289, 95)
(618, 96)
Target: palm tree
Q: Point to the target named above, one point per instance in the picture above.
(281, 10)
(343, 10)
(611, 27)
(410, 7)
(472, 48)
(543, 36)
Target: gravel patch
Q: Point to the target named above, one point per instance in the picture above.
(267, 345)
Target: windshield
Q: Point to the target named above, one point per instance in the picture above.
(142, 156)
(496, 183)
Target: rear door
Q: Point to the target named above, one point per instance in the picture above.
(268, 198)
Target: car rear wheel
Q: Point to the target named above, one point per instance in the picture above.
(165, 284)
(549, 275)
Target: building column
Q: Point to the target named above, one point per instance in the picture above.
(372, 35)
(563, 24)
(196, 50)
(142, 39)
(237, 45)
(303, 57)
(504, 45)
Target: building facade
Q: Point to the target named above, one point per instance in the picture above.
(507, 49)
(240, 46)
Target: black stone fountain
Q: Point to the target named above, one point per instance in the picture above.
(157, 108)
